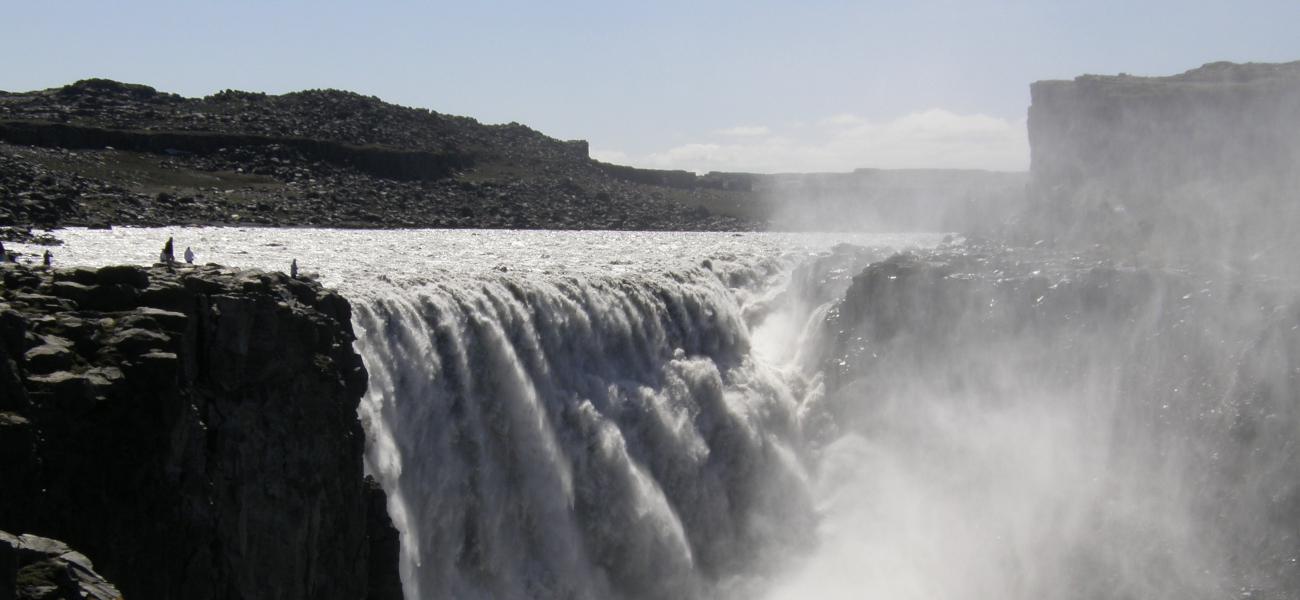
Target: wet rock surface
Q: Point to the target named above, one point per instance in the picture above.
(101, 153)
(193, 429)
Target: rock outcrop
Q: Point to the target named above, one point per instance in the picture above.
(37, 568)
(1205, 163)
(193, 429)
(1185, 382)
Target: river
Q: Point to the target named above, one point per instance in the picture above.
(699, 415)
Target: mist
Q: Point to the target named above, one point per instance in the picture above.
(1101, 404)
(881, 200)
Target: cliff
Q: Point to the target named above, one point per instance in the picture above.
(192, 430)
(100, 152)
(1148, 407)
(1206, 162)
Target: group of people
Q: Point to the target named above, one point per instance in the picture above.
(47, 259)
(168, 255)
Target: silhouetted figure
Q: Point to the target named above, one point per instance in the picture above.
(293, 269)
(168, 253)
(4, 256)
(189, 255)
(48, 258)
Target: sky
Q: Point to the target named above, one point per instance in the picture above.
(816, 85)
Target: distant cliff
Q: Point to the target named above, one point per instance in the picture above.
(100, 152)
(192, 431)
(1208, 160)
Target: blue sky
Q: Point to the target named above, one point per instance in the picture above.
(767, 86)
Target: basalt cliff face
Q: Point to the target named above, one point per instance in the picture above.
(1206, 162)
(192, 430)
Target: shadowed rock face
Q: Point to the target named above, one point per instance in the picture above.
(1206, 163)
(193, 430)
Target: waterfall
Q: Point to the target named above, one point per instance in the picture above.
(968, 424)
(780, 418)
(584, 437)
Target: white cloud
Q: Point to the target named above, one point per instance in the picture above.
(744, 131)
(842, 120)
(934, 138)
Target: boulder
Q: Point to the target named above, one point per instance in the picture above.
(39, 568)
(47, 358)
(125, 274)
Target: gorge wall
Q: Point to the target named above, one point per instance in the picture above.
(1030, 423)
(1204, 162)
(193, 431)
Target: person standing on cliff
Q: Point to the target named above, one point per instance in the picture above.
(48, 259)
(168, 254)
(4, 256)
(293, 269)
(189, 255)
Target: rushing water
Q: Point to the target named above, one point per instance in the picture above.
(670, 415)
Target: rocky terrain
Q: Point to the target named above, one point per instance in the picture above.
(192, 430)
(102, 153)
(37, 568)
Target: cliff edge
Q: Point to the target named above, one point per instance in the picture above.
(192, 430)
(1205, 164)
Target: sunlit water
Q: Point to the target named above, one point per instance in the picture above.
(350, 259)
(649, 415)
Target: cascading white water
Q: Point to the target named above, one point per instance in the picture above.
(594, 416)
(583, 437)
(572, 415)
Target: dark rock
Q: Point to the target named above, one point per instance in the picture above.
(38, 568)
(158, 367)
(202, 285)
(76, 292)
(80, 275)
(167, 296)
(209, 449)
(62, 391)
(47, 358)
(112, 297)
(384, 545)
(136, 341)
(170, 321)
(125, 274)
